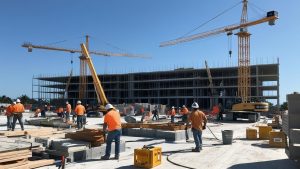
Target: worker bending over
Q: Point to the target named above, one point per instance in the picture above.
(18, 114)
(198, 120)
(80, 111)
(112, 122)
(9, 115)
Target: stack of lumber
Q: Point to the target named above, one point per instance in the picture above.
(14, 155)
(33, 132)
(94, 136)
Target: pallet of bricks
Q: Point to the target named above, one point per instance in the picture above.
(17, 155)
(94, 136)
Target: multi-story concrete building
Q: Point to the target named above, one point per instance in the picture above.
(173, 87)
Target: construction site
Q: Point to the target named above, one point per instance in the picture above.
(212, 117)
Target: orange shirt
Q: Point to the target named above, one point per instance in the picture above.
(68, 108)
(184, 111)
(19, 108)
(9, 110)
(172, 112)
(79, 110)
(60, 110)
(197, 118)
(113, 120)
(216, 110)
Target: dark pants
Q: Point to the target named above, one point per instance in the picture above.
(43, 113)
(79, 121)
(67, 116)
(172, 119)
(9, 122)
(19, 117)
(184, 119)
(113, 135)
(197, 138)
(220, 116)
(155, 116)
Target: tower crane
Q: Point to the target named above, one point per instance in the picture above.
(243, 51)
(83, 64)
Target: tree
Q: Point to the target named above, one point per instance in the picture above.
(26, 100)
(5, 99)
(284, 106)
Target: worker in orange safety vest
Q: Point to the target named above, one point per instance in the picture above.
(172, 113)
(80, 111)
(9, 115)
(18, 114)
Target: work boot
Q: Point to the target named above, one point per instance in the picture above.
(116, 157)
(105, 158)
(196, 150)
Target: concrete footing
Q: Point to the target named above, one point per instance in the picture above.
(178, 135)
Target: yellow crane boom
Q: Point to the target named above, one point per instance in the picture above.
(217, 31)
(98, 87)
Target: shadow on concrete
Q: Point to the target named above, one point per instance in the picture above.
(128, 167)
(274, 164)
(261, 145)
(141, 140)
(237, 121)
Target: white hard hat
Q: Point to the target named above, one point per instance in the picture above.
(78, 102)
(173, 107)
(108, 106)
(195, 105)
(14, 103)
(18, 101)
(67, 102)
(183, 106)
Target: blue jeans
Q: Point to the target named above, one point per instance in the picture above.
(197, 138)
(19, 117)
(79, 121)
(113, 135)
(172, 119)
(9, 122)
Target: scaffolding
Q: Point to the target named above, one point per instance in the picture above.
(181, 86)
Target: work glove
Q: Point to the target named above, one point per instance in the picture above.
(204, 127)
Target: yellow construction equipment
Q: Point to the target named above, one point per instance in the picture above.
(243, 52)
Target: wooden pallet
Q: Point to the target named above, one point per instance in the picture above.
(32, 132)
(94, 136)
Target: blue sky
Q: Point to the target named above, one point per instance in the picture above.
(138, 26)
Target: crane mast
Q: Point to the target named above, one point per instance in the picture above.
(244, 58)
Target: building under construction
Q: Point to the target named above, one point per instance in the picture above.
(174, 87)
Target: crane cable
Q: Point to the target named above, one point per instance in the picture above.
(223, 12)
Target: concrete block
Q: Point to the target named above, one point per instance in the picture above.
(69, 145)
(172, 135)
(134, 132)
(125, 131)
(293, 151)
(145, 132)
(294, 136)
(45, 141)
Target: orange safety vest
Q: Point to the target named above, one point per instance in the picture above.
(79, 110)
(215, 110)
(19, 108)
(172, 112)
(184, 111)
(9, 110)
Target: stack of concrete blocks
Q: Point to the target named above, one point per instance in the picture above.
(291, 126)
(177, 135)
(76, 150)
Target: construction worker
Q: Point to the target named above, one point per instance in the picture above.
(68, 111)
(184, 112)
(9, 115)
(220, 114)
(112, 122)
(43, 112)
(198, 120)
(80, 111)
(172, 113)
(18, 114)
(155, 114)
(37, 112)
